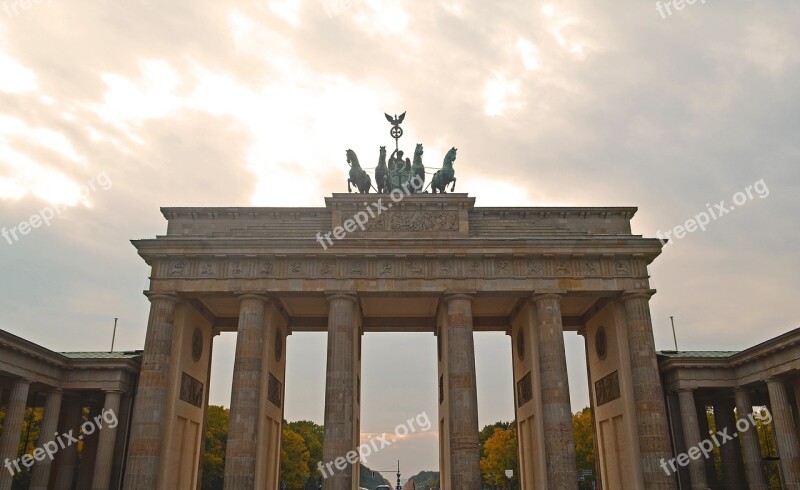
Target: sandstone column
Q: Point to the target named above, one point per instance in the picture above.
(106, 442)
(730, 452)
(559, 441)
(12, 429)
(149, 412)
(462, 394)
(67, 458)
(705, 433)
(651, 415)
(751, 451)
(692, 436)
(86, 466)
(52, 409)
(240, 456)
(785, 434)
(340, 392)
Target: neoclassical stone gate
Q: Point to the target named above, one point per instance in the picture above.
(428, 263)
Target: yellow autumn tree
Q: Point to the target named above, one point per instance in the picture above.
(294, 459)
(499, 455)
(584, 439)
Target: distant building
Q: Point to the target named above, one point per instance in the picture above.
(76, 390)
(766, 375)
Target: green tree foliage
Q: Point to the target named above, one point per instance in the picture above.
(216, 441)
(294, 460)
(312, 435)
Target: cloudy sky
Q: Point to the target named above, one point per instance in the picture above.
(109, 110)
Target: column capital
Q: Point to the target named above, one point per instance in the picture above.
(113, 391)
(685, 390)
(629, 294)
(774, 379)
(162, 296)
(450, 296)
(242, 295)
(343, 295)
(543, 294)
(740, 389)
(22, 381)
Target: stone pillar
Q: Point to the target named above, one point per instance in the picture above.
(651, 415)
(150, 407)
(705, 433)
(559, 441)
(86, 466)
(730, 452)
(785, 434)
(67, 458)
(462, 394)
(240, 456)
(692, 436)
(106, 443)
(751, 450)
(341, 414)
(40, 476)
(12, 429)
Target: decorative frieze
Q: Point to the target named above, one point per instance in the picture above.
(403, 267)
(414, 221)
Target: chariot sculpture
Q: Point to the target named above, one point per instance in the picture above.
(399, 173)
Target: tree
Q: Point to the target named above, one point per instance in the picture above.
(312, 435)
(294, 459)
(582, 427)
(499, 455)
(216, 441)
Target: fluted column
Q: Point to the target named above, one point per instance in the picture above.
(785, 434)
(145, 451)
(340, 391)
(12, 430)
(67, 458)
(692, 436)
(88, 460)
(106, 443)
(730, 452)
(559, 440)
(52, 410)
(651, 414)
(240, 456)
(705, 433)
(751, 450)
(462, 394)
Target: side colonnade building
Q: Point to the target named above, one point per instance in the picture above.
(72, 388)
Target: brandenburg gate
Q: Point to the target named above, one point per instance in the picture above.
(424, 262)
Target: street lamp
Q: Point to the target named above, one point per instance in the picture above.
(390, 471)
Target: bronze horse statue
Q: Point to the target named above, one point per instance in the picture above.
(382, 173)
(446, 175)
(358, 176)
(418, 170)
